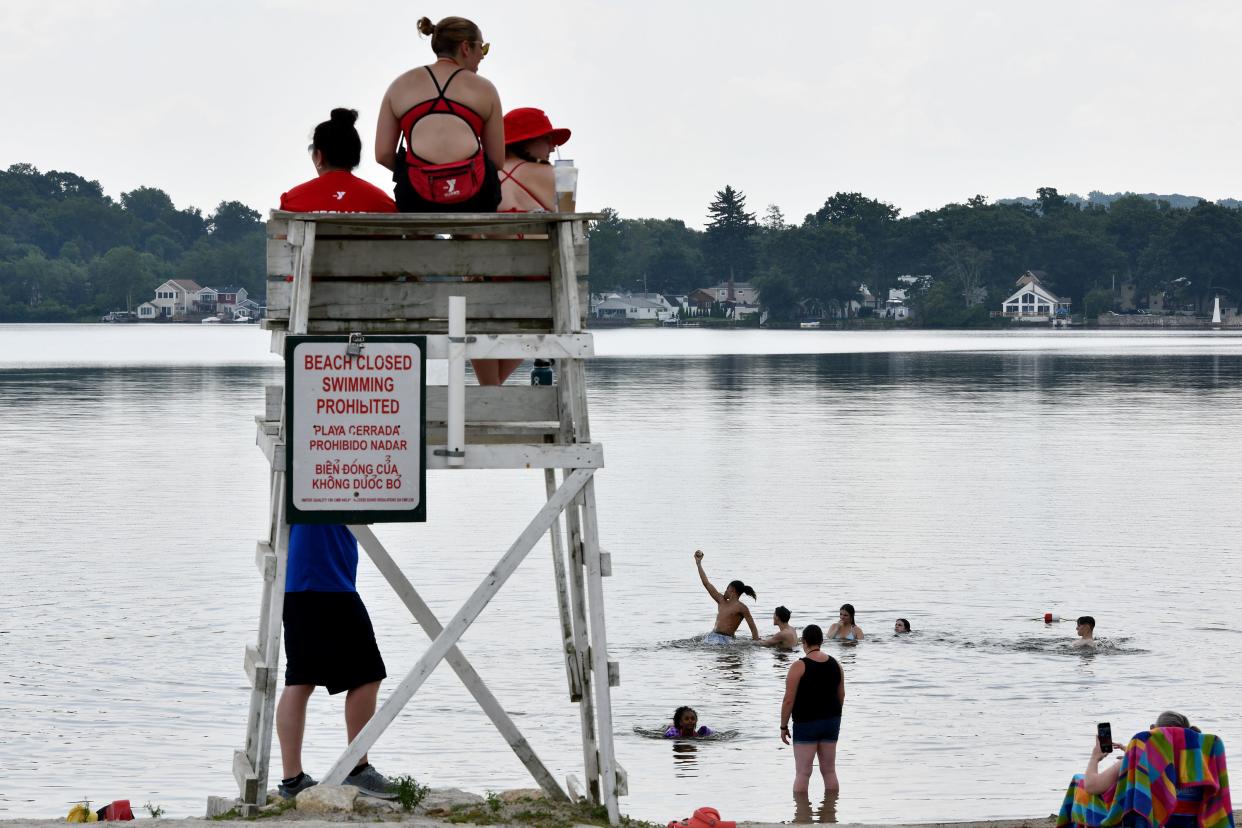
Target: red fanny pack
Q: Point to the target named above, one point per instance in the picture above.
(446, 183)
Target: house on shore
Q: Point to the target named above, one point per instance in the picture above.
(740, 299)
(174, 298)
(632, 307)
(1033, 301)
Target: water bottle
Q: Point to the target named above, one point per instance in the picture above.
(542, 374)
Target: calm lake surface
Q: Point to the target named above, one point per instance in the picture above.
(968, 482)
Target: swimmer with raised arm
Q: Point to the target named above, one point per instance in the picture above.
(730, 611)
(785, 635)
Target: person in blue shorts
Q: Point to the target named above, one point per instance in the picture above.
(814, 696)
(329, 642)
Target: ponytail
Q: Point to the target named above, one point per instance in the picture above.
(741, 589)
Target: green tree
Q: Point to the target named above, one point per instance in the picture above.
(729, 231)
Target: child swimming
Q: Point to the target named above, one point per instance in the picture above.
(685, 725)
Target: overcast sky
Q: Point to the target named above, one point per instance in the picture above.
(915, 103)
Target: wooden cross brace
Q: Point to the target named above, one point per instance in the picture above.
(444, 643)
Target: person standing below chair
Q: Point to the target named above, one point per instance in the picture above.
(440, 127)
(814, 697)
(329, 640)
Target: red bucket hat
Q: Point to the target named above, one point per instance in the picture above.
(527, 123)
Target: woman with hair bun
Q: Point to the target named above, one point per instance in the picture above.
(335, 151)
(440, 127)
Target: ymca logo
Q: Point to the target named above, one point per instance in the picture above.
(339, 195)
(450, 186)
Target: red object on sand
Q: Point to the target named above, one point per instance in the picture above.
(704, 818)
(118, 811)
(1047, 618)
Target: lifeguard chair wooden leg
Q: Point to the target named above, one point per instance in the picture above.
(456, 627)
(471, 679)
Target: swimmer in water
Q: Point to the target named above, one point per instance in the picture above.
(846, 629)
(1086, 632)
(901, 626)
(730, 611)
(685, 725)
(785, 635)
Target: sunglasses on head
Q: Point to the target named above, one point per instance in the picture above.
(483, 47)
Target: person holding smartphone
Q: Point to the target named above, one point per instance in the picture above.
(1096, 781)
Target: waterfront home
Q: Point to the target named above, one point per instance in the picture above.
(228, 298)
(1033, 302)
(205, 300)
(631, 308)
(147, 311)
(174, 298)
(737, 293)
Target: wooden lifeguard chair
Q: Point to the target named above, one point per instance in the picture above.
(520, 278)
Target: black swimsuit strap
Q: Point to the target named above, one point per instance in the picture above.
(441, 90)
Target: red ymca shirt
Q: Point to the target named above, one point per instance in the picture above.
(338, 191)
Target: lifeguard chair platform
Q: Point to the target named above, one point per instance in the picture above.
(481, 286)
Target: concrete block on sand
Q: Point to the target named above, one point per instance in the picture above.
(444, 800)
(327, 799)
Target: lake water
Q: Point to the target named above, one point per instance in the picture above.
(968, 482)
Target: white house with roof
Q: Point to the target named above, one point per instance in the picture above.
(176, 297)
(1033, 302)
(205, 300)
(631, 307)
(147, 311)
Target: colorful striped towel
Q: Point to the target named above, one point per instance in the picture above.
(1157, 763)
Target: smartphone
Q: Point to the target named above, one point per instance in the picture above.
(1104, 732)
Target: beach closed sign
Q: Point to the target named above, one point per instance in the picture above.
(355, 422)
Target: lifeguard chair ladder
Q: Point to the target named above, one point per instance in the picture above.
(521, 277)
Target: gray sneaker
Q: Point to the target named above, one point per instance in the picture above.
(300, 784)
(372, 783)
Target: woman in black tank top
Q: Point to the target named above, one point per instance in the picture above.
(814, 695)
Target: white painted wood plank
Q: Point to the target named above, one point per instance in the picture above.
(562, 597)
(273, 448)
(552, 456)
(599, 655)
(265, 560)
(461, 666)
(497, 404)
(243, 773)
(456, 627)
(300, 299)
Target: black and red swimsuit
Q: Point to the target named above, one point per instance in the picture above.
(467, 186)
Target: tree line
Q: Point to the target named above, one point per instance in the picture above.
(974, 252)
(68, 252)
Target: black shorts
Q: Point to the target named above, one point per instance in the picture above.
(329, 641)
(486, 200)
